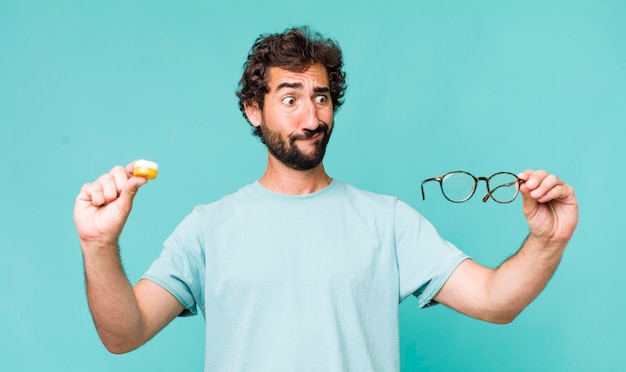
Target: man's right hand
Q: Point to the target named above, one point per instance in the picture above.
(125, 316)
(102, 207)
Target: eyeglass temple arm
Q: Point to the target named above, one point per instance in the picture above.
(508, 184)
(438, 179)
(486, 197)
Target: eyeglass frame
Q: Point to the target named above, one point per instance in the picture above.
(476, 179)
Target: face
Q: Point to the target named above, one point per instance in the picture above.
(297, 116)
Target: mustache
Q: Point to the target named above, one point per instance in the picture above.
(309, 133)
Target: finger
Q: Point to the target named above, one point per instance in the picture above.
(135, 182)
(533, 179)
(120, 176)
(129, 191)
(525, 174)
(92, 193)
(109, 188)
(130, 167)
(558, 192)
(529, 204)
(547, 184)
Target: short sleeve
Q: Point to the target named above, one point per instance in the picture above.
(425, 259)
(180, 268)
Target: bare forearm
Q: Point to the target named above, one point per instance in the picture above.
(125, 316)
(499, 295)
(520, 279)
(111, 299)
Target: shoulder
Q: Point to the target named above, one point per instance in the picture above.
(372, 200)
(365, 198)
(354, 191)
(203, 214)
(243, 194)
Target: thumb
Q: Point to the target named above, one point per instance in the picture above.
(128, 193)
(529, 204)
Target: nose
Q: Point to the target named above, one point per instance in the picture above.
(311, 119)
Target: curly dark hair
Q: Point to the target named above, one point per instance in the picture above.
(295, 49)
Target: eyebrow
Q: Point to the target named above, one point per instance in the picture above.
(288, 85)
(299, 86)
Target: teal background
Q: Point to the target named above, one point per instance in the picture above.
(482, 86)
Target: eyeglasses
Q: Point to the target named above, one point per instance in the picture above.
(458, 186)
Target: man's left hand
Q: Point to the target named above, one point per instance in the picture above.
(549, 205)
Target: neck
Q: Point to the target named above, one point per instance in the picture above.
(285, 180)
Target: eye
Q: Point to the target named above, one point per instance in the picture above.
(289, 101)
(321, 99)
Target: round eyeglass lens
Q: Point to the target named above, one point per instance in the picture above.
(458, 186)
(503, 187)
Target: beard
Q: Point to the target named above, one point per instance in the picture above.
(289, 154)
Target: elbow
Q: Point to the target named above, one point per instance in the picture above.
(503, 316)
(117, 348)
(119, 345)
(502, 320)
(120, 340)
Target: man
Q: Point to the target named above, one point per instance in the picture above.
(299, 271)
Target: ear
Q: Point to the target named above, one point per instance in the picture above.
(253, 113)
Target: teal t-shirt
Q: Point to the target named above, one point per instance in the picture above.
(303, 283)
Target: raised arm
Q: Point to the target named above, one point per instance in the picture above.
(499, 295)
(125, 317)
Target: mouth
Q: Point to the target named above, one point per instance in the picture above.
(313, 134)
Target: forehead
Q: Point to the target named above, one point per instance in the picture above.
(315, 76)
